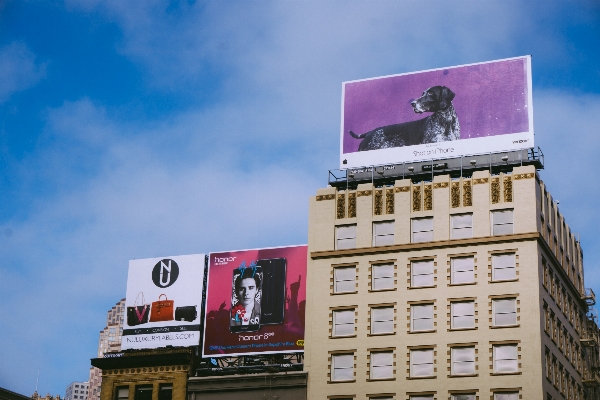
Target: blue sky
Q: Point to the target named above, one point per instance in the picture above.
(145, 129)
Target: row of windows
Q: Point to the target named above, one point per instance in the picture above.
(461, 227)
(559, 294)
(462, 316)
(463, 362)
(144, 392)
(422, 273)
(560, 377)
(564, 341)
(510, 394)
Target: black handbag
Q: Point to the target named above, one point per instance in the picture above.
(138, 315)
(187, 313)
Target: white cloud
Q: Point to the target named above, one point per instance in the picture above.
(18, 69)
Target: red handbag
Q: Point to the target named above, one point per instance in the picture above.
(162, 310)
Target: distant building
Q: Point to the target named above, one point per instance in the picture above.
(109, 342)
(77, 391)
(36, 396)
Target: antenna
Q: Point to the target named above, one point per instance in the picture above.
(37, 380)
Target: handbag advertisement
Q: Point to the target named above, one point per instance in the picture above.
(162, 299)
(255, 302)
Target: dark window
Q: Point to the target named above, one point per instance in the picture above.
(165, 391)
(143, 392)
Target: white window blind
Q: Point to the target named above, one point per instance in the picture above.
(382, 276)
(383, 233)
(502, 222)
(505, 359)
(503, 267)
(461, 226)
(421, 317)
(382, 320)
(421, 362)
(342, 367)
(422, 273)
(343, 322)
(344, 279)
(504, 312)
(345, 237)
(463, 270)
(463, 360)
(422, 230)
(462, 315)
(382, 365)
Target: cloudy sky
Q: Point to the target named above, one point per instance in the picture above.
(153, 128)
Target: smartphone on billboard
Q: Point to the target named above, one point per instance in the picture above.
(273, 290)
(246, 298)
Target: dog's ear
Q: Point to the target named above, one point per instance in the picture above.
(445, 97)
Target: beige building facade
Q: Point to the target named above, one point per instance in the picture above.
(454, 288)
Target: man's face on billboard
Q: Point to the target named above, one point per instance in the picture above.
(246, 291)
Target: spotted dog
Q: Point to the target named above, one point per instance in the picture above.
(441, 126)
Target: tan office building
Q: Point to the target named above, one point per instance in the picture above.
(461, 289)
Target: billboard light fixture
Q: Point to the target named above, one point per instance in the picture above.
(473, 162)
(505, 158)
(411, 169)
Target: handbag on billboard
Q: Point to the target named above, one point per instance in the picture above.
(162, 310)
(138, 314)
(186, 313)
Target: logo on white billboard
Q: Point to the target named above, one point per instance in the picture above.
(165, 273)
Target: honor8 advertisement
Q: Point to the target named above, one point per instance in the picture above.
(163, 302)
(441, 113)
(255, 302)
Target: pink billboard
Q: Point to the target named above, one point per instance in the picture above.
(441, 113)
(255, 302)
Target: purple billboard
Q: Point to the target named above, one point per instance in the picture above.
(441, 113)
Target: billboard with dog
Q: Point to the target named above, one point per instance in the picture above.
(255, 302)
(440, 113)
(163, 302)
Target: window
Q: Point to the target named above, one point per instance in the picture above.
(422, 273)
(503, 267)
(122, 393)
(143, 392)
(505, 359)
(343, 322)
(425, 397)
(463, 360)
(506, 396)
(342, 367)
(382, 320)
(504, 312)
(165, 391)
(461, 226)
(502, 222)
(382, 276)
(382, 365)
(344, 279)
(345, 237)
(421, 363)
(462, 315)
(463, 396)
(383, 233)
(421, 317)
(422, 229)
(462, 270)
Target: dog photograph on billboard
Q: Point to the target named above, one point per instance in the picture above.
(440, 113)
(255, 302)
(163, 302)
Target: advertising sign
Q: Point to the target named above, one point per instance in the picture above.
(163, 302)
(255, 302)
(441, 113)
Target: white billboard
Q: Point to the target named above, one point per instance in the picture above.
(441, 113)
(163, 302)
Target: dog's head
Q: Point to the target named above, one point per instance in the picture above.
(434, 99)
